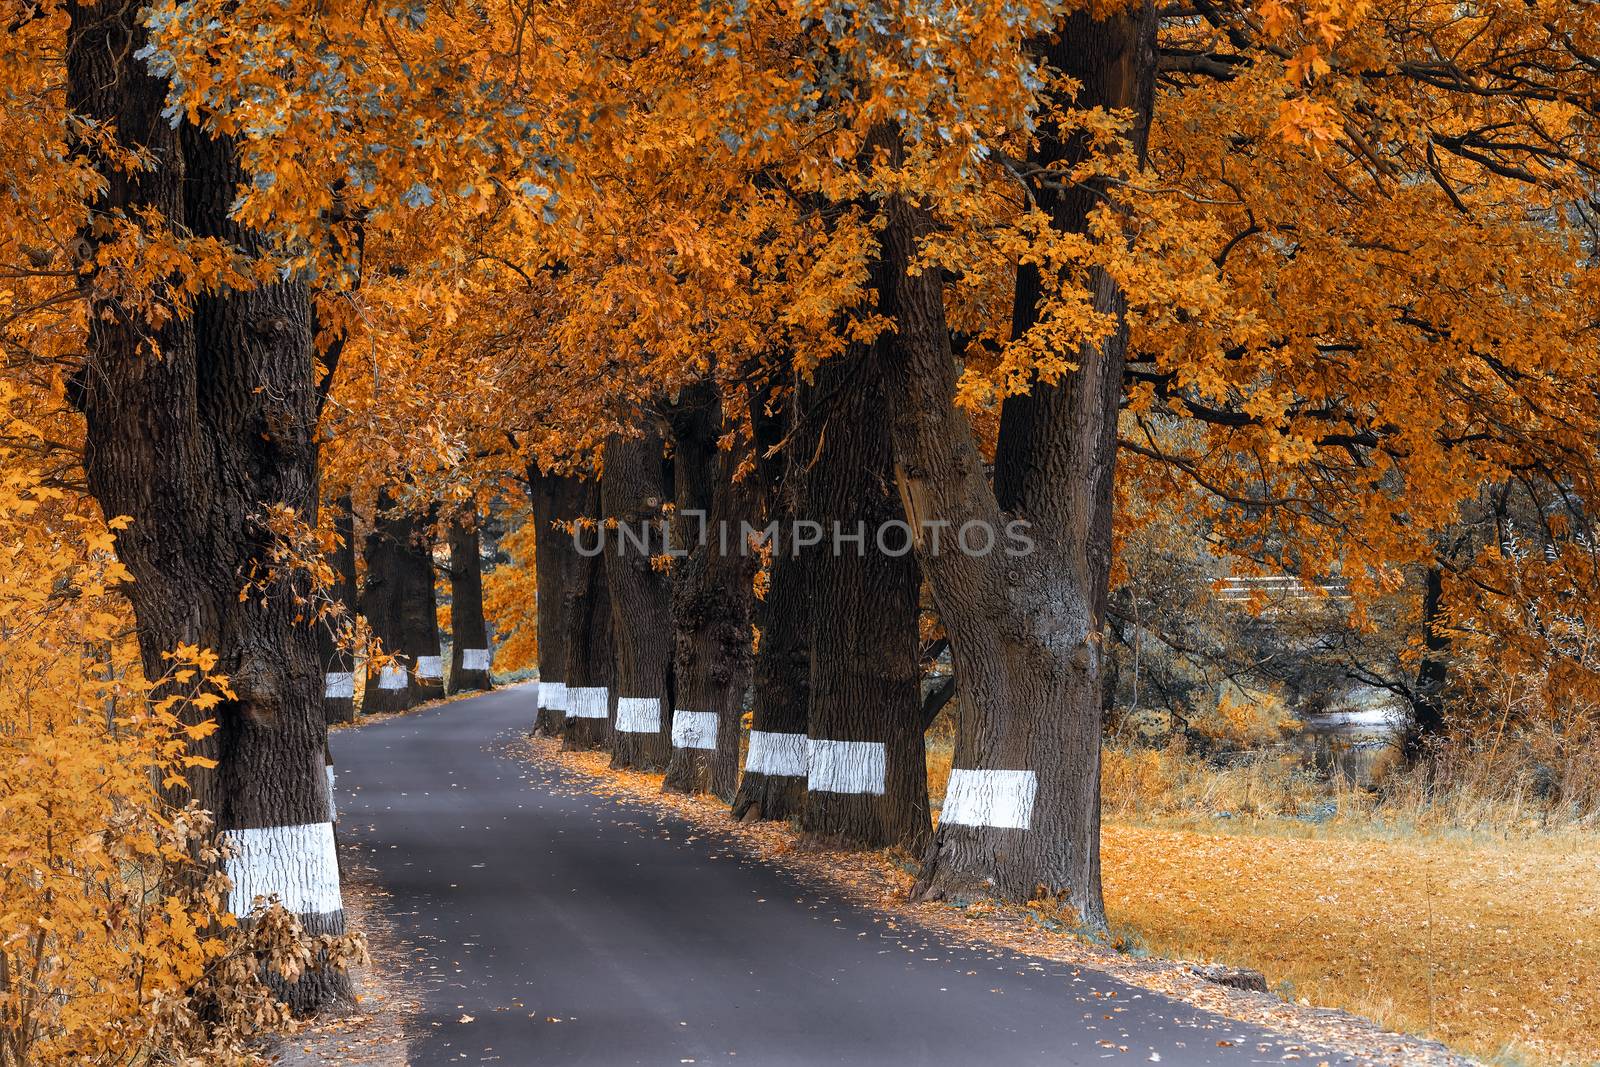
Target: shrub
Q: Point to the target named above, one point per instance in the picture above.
(115, 942)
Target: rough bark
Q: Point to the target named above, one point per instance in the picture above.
(774, 781)
(556, 501)
(867, 779)
(195, 429)
(632, 491)
(1023, 813)
(388, 688)
(469, 634)
(1426, 722)
(419, 612)
(591, 648)
(338, 661)
(711, 604)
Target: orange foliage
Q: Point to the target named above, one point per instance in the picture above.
(511, 602)
(1356, 273)
(113, 920)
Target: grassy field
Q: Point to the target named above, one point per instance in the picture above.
(1487, 941)
(1492, 946)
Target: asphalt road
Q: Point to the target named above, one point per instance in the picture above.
(550, 927)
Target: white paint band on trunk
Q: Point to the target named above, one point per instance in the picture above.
(638, 715)
(845, 766)
(333, 805)
(474, 659)
(589, 702)
(694, 729)
(430, 667)
(781, 755)
(298, 863)
(553, 696)
(339, 685)
(989, 798)
(392, 677)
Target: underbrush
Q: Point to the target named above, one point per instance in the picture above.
(116, 945)
(1537, 780)
(1535, 776)
(1144, 782)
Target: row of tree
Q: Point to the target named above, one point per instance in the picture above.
(659, 663)
(398, 601)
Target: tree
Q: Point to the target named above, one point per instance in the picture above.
(592, 662)
(774, 780)
(335, 630)
(634, 487)
(470, 654)
(866, 779)
(418, 618)
(1022, 811)
(711, 600)
(389, 685)
(556, 500)
(200, 409)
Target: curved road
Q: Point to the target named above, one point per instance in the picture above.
(574, 930)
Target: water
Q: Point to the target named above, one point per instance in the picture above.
(1346, 740)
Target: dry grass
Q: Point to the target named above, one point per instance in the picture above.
(1138, 782)
(1491, 947)
(1538, 779)
(1489, 941)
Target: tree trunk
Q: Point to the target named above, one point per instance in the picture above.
(867, 782)
(197, 430)
(774, 782)
(632, 491)
(334, 632)
(711, 601)
(556, 499)
(388, 688)
(419, 612)
(1427, 706)
(469, 634)
(591, 649)
(1022, 813)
